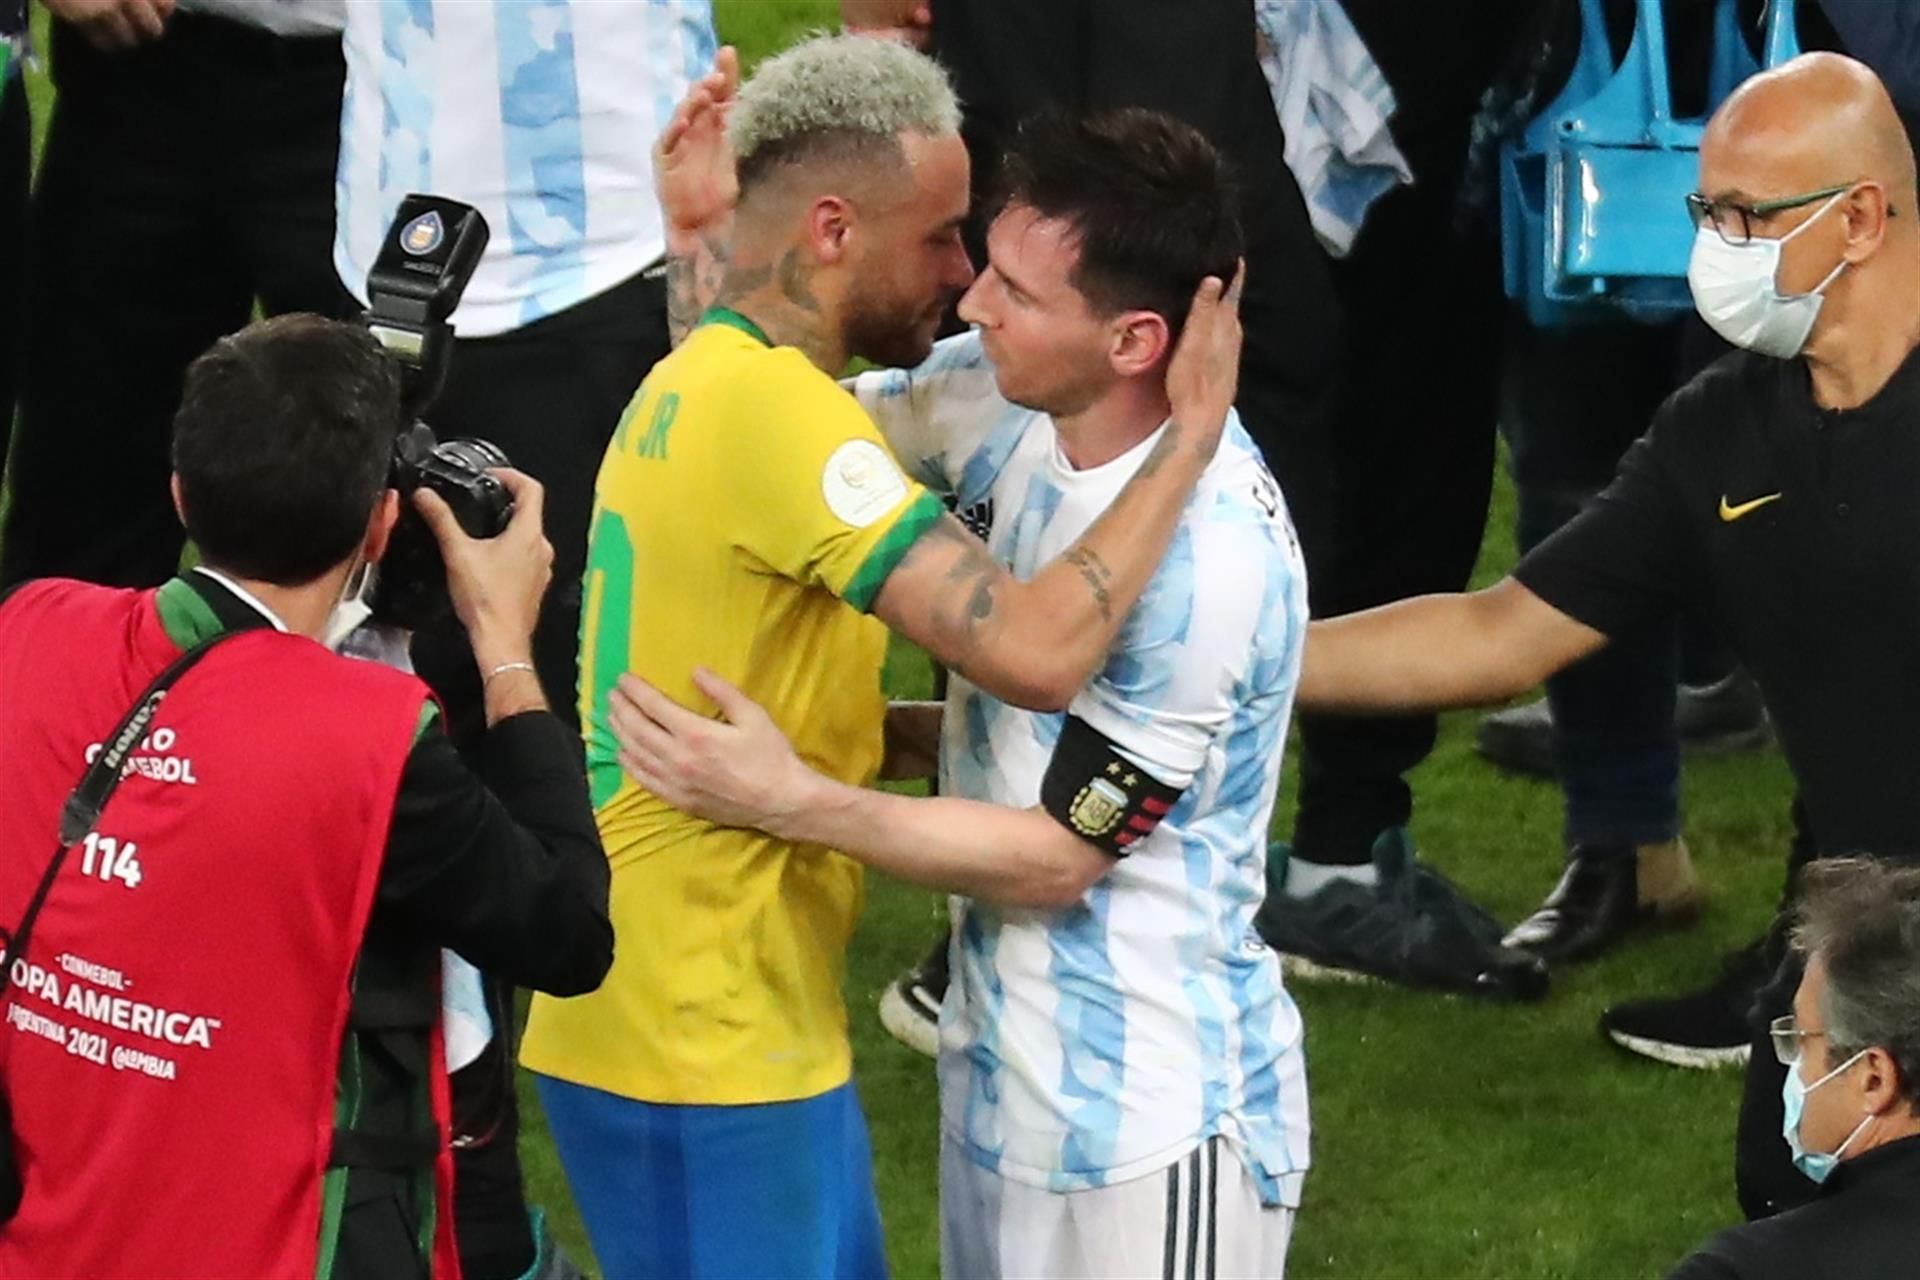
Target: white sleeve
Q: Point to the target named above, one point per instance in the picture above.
(945, 420)
(1169, 686)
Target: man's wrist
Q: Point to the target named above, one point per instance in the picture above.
(806, 798)
(491, 652)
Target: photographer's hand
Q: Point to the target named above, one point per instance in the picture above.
(497, 585)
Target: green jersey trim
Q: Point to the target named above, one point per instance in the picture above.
(733, 319)
(886, 555)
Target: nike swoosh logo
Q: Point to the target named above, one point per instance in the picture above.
(1730, 513)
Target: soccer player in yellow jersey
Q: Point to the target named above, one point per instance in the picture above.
(750, 519)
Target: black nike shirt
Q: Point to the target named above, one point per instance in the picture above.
(1819, 586)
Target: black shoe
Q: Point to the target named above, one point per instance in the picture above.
(1520, 739)
(1711, 719)
(1413, 928)
(1702, 1030)
(910, 1006)
(1723, 717)
(1604, 894)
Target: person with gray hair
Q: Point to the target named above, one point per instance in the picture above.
(1852, 1051)
(748, 516)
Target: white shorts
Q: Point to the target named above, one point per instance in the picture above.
(1201, 1217)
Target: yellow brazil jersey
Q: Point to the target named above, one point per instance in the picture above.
(745, 516)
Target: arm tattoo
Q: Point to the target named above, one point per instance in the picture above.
(975, 571)
(958, 615)
(1094, 570)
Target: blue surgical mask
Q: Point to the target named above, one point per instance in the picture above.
(1817, 1165)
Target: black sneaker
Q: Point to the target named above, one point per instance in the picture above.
(1703, 1030)
(1715, 719)
(910, 1006)
(1723, 717)
(1519, 739)
(1413, 928)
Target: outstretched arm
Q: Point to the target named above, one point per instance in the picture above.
(741, 772)
(1441, 651)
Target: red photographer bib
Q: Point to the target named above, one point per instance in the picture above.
(174, 1033)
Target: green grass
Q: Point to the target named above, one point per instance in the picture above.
(1451, 1139)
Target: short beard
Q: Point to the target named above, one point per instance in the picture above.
(887, 330)
(1064, 399)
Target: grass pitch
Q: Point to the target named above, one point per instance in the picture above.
(1451, 1139)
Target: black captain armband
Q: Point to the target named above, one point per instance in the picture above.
(1098, 794)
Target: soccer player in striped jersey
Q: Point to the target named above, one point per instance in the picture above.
(1123, 1088)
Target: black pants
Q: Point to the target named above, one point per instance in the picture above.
(1763, 1173)
(180, 182)
(1412, 455)
(15, 162)
(550, 395)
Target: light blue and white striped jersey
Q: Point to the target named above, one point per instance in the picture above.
(1087, 1047)
(540, 113)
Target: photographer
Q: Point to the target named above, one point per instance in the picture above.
(220, 1052)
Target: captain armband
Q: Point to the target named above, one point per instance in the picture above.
(1098, 794)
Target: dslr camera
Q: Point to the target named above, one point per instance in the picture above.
(424, 266)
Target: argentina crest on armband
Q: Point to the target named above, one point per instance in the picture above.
(1097, 809)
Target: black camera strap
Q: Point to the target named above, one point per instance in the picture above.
(86, 802)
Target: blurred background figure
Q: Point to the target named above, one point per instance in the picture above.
(188, 174)
(15, 173)
(1411, 472)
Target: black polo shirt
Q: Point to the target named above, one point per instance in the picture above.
(1800, 528)
(1865, 1224)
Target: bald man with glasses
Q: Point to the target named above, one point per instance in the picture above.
(1778, 486)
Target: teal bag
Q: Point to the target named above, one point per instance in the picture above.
(1593, 219)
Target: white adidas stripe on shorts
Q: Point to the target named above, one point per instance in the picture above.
(1198, 1219)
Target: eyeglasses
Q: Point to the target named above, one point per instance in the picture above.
(1735, 221)
(1787, 1035)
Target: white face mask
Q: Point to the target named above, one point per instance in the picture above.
(354, 607)
(1736, 291)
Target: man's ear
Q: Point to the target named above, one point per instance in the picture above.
(179, 507)
(1866, 210)
(831, 221)
(1883, 1086)
(1141, 340)
(386, 514)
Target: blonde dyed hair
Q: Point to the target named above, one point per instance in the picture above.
(832, 95)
